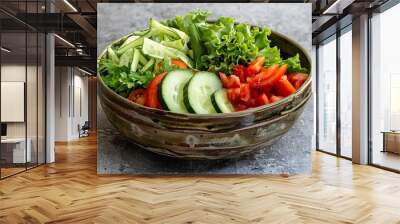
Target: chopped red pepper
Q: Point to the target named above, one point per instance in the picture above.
(240, 71)
(283, 87)
(262, 99)
(152, 92)
(297, 79)
(255, 66)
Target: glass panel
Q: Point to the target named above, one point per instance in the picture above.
(327, 97)
(41, 98)
(385, 84)
(31, 98)
(13, 86)
(32, 89)
(346, 93)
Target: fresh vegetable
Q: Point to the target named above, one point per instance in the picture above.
(152, 92)
(179, 63)
(274, 98)
(231, 81)
(297, 79)
(171, 90)
(221, 102)
(262, 99)
(294, 64)
(198, 92)
(159, 51)
(244, 92)
(121, 79)
(267, 83)
(263, 75)
(255, 66)
(240, 71)
(138, 96)
(283, 87)
(187, 52)
(190, 24)
(254, 91)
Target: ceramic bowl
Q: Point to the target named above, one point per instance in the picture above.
(213, 136)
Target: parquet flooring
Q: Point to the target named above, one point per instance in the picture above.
(70, 191)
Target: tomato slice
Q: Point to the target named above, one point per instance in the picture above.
(283, 87)
(245, 92)
(263, 75)
(262, 99)
(274, 98)
(231, 81)
(138, 96)
(234, 81)
(152, 92)
(297, 79)
(270, 81)
(255, 66)
(224, 79)
(240, 71)
(233, 94)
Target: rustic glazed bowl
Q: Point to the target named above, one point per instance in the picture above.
(211, 136)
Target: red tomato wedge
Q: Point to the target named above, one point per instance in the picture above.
(240, 71)
(283, 87)
(262, 99)
(255, 66)
(179, 63)
(263, 75)
(270, 81)
(152, 91)
(231, 81)
(233, 94)
(274, 98)
(297, 79)
(138, 96)
(245, 92)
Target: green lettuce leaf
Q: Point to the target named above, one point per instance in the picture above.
(294, 64)
(121, 79)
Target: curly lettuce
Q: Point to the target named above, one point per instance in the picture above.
(219, 46)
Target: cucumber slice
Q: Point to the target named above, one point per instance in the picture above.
(221, 102)
(171, 90)
(198, 92)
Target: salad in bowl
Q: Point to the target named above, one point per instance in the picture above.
(189, 64)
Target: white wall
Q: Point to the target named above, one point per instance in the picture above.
(70, 83)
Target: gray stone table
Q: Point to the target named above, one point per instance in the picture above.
(290, 155)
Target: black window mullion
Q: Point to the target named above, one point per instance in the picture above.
(317, 96)
(26, 87)
(338, 74)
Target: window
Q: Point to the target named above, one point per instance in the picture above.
(327, 96)
(385, 89)
(346, 92)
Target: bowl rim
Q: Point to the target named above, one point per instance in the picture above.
(235, 114)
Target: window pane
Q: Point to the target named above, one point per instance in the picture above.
(385, 85)
(327, 97)
(14, 153)
(346, 93)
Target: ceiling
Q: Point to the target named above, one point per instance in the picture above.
(76, 21)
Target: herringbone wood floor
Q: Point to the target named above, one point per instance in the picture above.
(69, 191)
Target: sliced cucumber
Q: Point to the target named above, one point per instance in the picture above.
(198, 92)
(171, 90)
(221, 102)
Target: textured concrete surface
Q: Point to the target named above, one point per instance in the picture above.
(290, 155)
